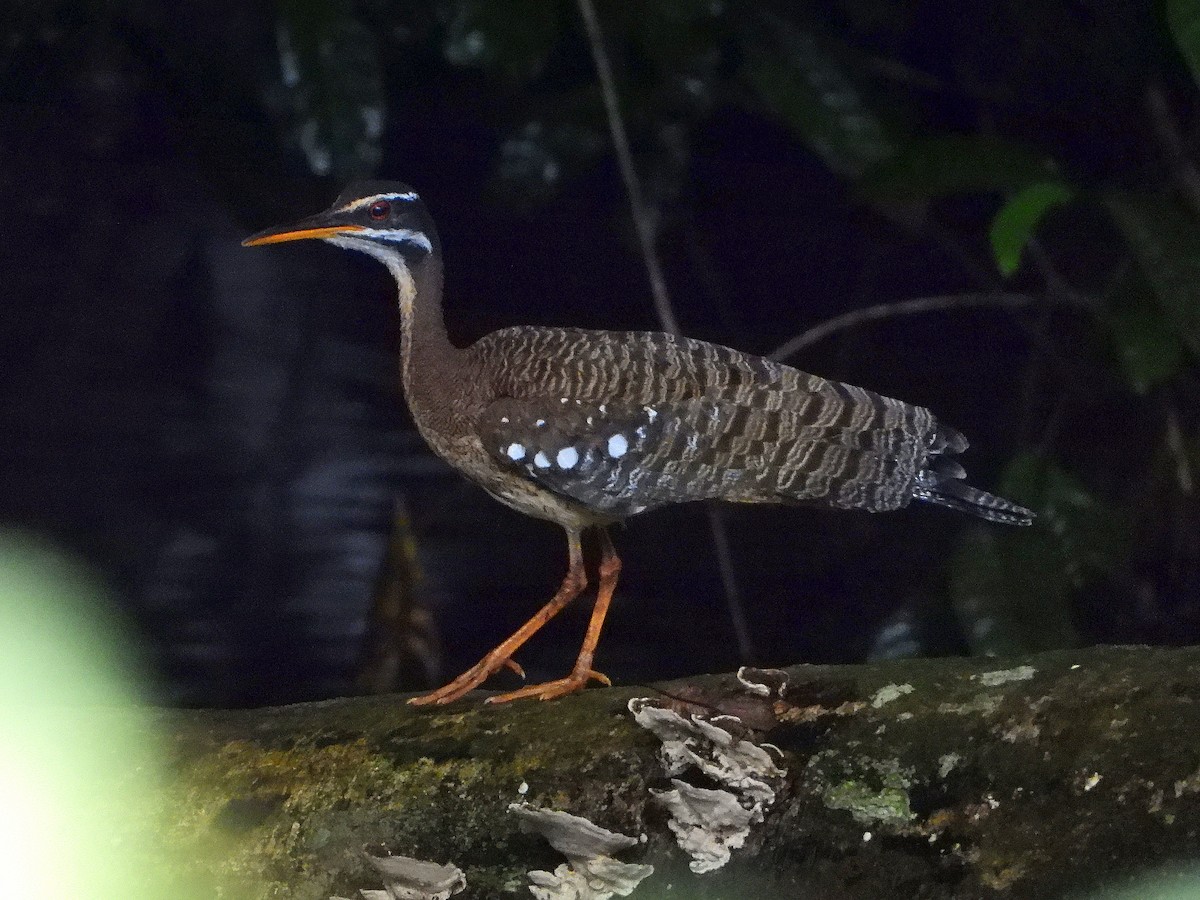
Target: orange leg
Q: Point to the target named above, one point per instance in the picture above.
(572, 586)
(610, 568)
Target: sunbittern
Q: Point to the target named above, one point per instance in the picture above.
(586, 428)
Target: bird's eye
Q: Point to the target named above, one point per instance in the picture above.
(380, 209)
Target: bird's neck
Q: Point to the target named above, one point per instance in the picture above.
(430, 366)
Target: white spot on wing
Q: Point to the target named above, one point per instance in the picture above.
(567, 457)
(515, 452)
(541, 460)
(651, 412)
(540, 423)
(504, 420)
(617, 446)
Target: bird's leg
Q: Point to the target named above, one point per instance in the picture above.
(610, 568)
(572, 586)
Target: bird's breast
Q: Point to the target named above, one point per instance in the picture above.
(465, 452)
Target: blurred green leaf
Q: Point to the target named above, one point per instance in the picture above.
(1008, 596)
(1165, 238)
(1090, 535)
(512, 38)
(1012, 588)
(1147, 346)
(69, 666)
(332, 102)
(956, 164)
(1018, 219)
(1183, 19)
(806, 85)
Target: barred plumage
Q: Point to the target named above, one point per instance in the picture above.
(701, 421)
(585, 428)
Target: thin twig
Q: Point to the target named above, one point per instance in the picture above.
(1058, 288)
(1187, 176)
(637, 206)
(1177, 446)
(917, 306)
(662, 299)
(733, 593)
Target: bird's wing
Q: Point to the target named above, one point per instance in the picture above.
(627, 422)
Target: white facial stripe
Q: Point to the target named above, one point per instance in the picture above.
(398, 236)
(406, 197)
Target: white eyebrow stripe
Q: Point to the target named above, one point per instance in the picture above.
(406, 197)
(397, 236)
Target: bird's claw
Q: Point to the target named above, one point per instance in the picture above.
(552, 690)
(467, 681)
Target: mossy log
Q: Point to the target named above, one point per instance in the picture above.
(1042, 776)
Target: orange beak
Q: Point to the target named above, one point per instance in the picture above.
(298, 232)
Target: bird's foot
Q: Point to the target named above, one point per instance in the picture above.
(551, 690)
(467, 681)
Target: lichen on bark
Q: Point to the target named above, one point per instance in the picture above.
(1079, 769)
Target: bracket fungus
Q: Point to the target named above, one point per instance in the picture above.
(591, 872)
(405, 878)
(709, 823)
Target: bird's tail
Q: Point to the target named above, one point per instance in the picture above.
(942, 483)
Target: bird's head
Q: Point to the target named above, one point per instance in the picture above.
(383, 218)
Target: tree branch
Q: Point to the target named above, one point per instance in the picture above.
(916, 306)
(941, 778)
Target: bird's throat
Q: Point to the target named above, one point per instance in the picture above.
(429, 364)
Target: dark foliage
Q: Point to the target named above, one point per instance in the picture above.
(221, 433)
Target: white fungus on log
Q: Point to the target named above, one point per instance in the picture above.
(590, 872)
(709, 823)
(405, 878)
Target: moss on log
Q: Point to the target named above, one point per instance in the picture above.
(1030, 777)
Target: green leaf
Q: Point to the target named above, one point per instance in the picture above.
(1165, 238)
(1088, 534)
(1018, 219)
(805, 84)
(331, 103)
(1012, 588)
(1008, 596)
(956, 164)
(1183, 19)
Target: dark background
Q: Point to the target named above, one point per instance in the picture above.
(220, 432)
